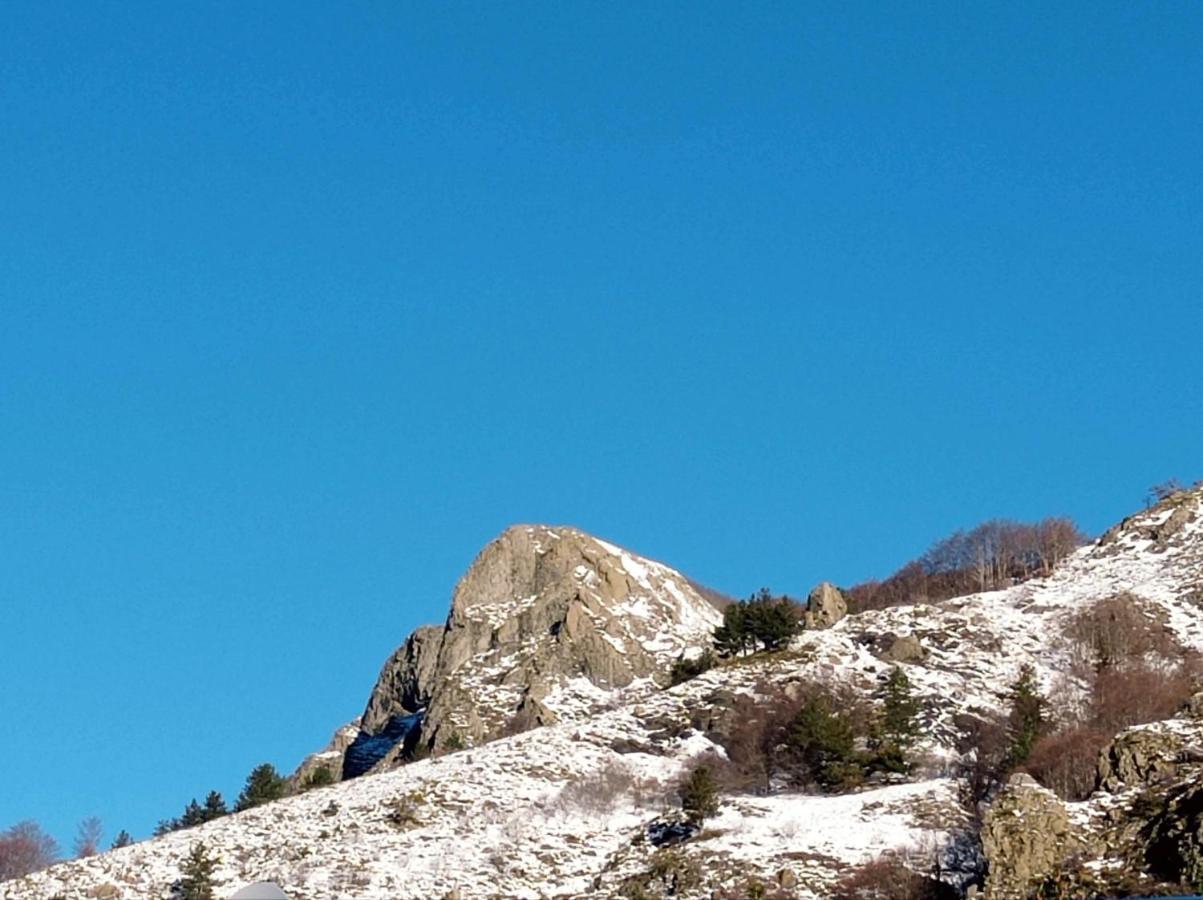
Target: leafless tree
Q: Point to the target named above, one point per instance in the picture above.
(87, 838)
(25, 848)
(1163, 491)
(995, 554)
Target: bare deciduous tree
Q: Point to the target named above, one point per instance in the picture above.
(995, 554)
(25, 848)
(87, 837)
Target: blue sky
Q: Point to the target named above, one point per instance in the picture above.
(301, 304)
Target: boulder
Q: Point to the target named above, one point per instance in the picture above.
(825, 606)
(899, 649)
(1140, 756)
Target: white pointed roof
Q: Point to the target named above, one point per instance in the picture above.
(260, 890)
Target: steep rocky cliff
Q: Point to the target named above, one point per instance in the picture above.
(547, 624)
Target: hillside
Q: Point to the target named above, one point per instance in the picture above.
(551, 672)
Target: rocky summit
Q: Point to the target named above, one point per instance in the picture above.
(534, 745)
(547, 625)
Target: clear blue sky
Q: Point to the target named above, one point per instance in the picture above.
(301, 304)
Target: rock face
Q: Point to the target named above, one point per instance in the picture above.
(1025, 836)
(544, 626)
(1140, 756)
(329, 758)
(825, 606)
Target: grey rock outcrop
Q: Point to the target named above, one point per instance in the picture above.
(545, 625)
(1025, 836)
(825, 606)
(900, 649)
(329, 757)
(1140, 756)
(405, 680)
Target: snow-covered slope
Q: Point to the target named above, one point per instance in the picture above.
(562, 810)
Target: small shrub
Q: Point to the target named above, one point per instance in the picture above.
(755, 736)
(1066, 762)
(403, 811)
(685, 669)
(322, 776)
(607, 788)
(889, 878)
(803, 739)
(1121, 629)
(1138, 693)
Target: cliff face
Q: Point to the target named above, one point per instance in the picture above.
(547, 624)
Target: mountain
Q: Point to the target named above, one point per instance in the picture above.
(552, 674)
(547, 625)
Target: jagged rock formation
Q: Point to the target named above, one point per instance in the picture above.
(329, 757)
(825, 606)
(1142, 830)
(546, 624)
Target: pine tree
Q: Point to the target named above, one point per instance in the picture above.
(699, 795)
(123, 839)
(1026, 720)
(214, 808)
(196, 875)
(731, 638)
(193, 815)
(263, 785)
(761, 620)
(166, 826)
(822, 742)
(897, 726)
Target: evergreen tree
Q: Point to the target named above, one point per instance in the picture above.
(699, 795)
(823, 743)
(1026, 719)
(760, 621)
(166, 826)
(196, 875)
(123, 839)
(772, 621)
(732, 638)
(193, 815)
(897, 726)
(263, 785)
(214, 808)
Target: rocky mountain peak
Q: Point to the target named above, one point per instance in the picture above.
(548, 624)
